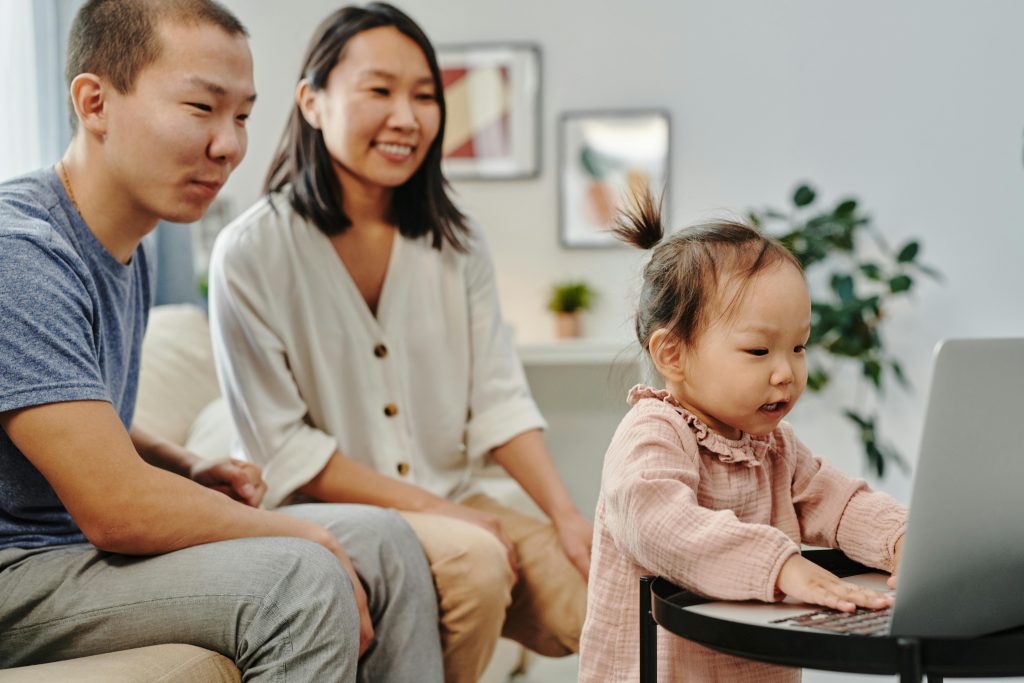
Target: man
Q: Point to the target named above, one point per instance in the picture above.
(105, 543)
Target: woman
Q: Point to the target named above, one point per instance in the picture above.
(361, 347)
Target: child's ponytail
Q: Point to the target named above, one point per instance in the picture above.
(640, 224)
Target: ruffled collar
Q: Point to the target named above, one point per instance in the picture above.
(749, 450)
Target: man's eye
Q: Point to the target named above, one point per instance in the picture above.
(758, 352)
(200, 106)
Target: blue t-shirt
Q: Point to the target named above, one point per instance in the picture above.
(72, 319)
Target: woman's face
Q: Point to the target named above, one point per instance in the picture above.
(378, 112)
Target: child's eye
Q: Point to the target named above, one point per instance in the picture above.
(758, 352)
(425, 97)
(799, 349)
(200, 106)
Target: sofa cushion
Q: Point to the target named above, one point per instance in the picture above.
(178, 377)
(163, 663)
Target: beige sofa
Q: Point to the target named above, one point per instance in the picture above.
(179, 399)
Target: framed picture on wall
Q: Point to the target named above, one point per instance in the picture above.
(492, 93)
(604, 157)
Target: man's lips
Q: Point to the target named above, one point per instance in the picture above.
(211, 187)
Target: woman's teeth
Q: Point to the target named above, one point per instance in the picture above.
(399, 150)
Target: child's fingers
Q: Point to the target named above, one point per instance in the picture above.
(848, 597)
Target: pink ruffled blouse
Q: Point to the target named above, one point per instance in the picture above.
(718, 516)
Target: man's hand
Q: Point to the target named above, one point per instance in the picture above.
(483, 520)
(897, 556)
(236, 479)
(807, 582)
(576, 533)
(366, 634)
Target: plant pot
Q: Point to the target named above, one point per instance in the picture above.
(567, 325)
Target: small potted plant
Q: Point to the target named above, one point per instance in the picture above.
(566, 302)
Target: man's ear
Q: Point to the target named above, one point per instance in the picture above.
(88, 96)
(667, 351)
(305, 97)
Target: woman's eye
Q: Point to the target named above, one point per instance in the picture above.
(758, 352)
(200, 106)
(380, 91)
(426, 97)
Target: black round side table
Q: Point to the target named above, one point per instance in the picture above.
(664, 604)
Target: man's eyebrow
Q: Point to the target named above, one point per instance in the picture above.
(214, 88)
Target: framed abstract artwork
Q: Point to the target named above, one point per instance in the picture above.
(492, 94)
(604, 158)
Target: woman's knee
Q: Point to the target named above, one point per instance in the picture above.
(477, 577)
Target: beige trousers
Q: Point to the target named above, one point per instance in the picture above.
(479, 598)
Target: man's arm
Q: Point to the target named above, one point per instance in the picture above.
(121, 503)
(125, 505)
(240, 480)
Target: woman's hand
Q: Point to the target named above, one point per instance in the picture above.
(236, 479)
(576, 533)
(802, 579)
(483, 520)
(897, 556)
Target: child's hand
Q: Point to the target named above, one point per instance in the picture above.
(897, 554)
(807, 582)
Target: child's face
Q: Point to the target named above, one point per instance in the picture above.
(746, 370)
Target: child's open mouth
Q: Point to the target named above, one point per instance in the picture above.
(776, 407)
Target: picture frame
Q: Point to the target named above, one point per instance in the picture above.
(492, 96)
(604, 157)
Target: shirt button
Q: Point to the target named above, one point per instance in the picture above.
(403, 468)
(380, 350)
(391, 410)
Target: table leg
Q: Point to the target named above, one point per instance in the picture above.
(648, 634)
(910, 660)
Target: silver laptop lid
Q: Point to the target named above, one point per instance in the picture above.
(962, 572)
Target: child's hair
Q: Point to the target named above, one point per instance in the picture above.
(687, 268)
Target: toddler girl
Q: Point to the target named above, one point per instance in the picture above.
(703, 482)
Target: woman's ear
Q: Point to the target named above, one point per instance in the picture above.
(666, 351)
(89, 98)
(305, 97)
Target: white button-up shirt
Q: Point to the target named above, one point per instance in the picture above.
(417, 392)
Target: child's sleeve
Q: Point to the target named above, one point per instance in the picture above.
(838, 511)
(650, 485)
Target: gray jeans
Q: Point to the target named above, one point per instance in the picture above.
(281, 608)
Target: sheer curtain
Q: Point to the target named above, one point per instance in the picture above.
(20, 142)
(33, 115)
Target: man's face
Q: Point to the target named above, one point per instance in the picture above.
(171, 143)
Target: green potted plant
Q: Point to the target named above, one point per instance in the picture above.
(566, 301)
(847, 318)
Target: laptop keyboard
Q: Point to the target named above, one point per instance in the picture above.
(863, 622)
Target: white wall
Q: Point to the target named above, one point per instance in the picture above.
(915, 107)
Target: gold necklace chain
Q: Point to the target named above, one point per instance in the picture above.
(67, 184)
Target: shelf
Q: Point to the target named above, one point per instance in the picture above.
(583, 351)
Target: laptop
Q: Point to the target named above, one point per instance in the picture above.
(962, 571)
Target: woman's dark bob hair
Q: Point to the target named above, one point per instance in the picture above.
(302, 163)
